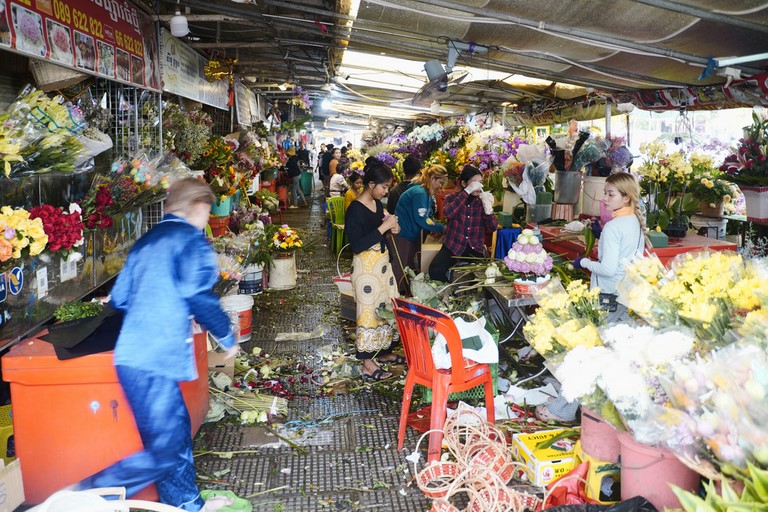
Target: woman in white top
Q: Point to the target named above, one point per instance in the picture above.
(621, 240)
(338, 185)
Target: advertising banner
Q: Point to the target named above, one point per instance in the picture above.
(109, 38)
(183, 72)
(244, 101)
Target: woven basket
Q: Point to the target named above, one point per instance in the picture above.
(50, 77)
(435, 480)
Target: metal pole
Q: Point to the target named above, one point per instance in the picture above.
(607, 120)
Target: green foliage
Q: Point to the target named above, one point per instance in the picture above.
(77, 310)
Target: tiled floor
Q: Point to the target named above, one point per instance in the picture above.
(350, 463)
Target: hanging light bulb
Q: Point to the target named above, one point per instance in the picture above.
(435, 107)
(179, 25)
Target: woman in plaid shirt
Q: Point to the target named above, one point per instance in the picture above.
(470, 214)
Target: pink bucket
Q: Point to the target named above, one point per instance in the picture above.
(648, 471)
(599, 439)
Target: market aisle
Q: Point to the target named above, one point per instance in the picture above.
(351, 461)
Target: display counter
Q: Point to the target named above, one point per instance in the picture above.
(570, 245)
(71, 418)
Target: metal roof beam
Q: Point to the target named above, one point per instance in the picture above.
(577, 33)
(704, 14)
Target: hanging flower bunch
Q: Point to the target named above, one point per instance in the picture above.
(64, 229)
(96, 206)
(286, 239)
(21, 236)
(185, 133)
(300, 99)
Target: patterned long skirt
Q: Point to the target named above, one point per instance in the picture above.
(374, 285)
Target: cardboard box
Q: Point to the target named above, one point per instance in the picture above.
(217, 363)
(603, 477)
(11, 486)
(348, 306)
(544, 465)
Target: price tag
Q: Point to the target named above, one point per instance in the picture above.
(68, 269)
(42, 282)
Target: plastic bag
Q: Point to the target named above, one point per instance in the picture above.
(478, 344)
(636, 504)
(534, 177)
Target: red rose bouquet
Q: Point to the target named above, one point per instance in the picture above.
(64, 229)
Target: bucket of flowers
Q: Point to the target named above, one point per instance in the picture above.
(528, 258)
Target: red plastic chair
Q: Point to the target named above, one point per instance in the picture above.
(414, 321)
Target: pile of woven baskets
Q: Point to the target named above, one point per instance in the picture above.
(482, 466)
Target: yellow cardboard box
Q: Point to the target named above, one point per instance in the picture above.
(544, 465)
(603, 477)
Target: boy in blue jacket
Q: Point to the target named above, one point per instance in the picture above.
(166, 282)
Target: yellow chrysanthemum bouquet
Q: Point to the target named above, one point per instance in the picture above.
(708, 185)
(566, 318)
(710, 292)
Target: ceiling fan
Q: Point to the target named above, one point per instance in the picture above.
(440, 78)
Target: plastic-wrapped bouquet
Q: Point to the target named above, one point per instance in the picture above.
(704, 291)
(719, 410)
(622, 375)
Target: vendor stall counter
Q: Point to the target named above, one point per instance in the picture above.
(570, 245)
(71, 419)
(513, 305)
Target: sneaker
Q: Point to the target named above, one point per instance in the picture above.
(292, 207)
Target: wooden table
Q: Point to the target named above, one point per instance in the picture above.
(569, 245)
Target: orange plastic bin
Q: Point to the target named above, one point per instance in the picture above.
(71, 418)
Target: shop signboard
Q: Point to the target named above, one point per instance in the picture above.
(183, 72)
(108, 38)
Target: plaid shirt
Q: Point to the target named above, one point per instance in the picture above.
(467, 223)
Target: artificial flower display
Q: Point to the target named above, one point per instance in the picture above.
(527, 256)
(21, 236)
(64, 228)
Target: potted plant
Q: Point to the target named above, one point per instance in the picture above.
(664, 180)
(747, 166)
(709, 187)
